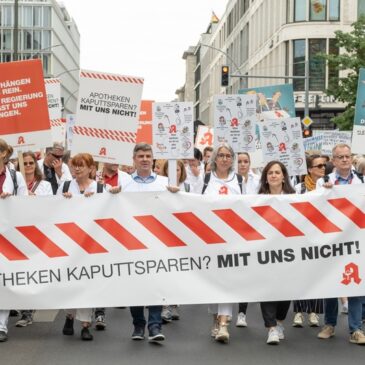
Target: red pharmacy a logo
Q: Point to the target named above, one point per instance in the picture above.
(351, 274)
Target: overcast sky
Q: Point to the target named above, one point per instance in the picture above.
(145, 38)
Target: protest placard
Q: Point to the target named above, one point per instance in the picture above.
(24, 118)
(144, 131)
(235, 121)
(58, 126)
(173, 130)
(282, 140)
(70, 123)
(331, 138)
(107, 116)
(204, 137)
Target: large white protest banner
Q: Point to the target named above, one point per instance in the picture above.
(173, 130)
(107, 116)
(281, 140)
(235, 121)
(163, 248)
(58, 125)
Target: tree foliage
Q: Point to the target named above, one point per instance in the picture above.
(351, 59)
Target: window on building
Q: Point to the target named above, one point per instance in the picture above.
(46, 16)
(27, 16)
(333, 73)
(300, 10)
(6, 57)
(299, 63)
(244, 44)
(37, 40)
(244, 7)
(8, 20)
(318, 9)
(360, 8)
(334, 10)
(317, 65)
(46, 64)
(27, 39)
(7, 41)
(37, 16)
(46, 39)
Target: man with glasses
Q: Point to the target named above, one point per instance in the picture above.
(343, 175)
(52, 167)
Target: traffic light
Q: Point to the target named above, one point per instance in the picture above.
(307, 132)
(225, 76)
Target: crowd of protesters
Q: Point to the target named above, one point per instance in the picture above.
(215, 172)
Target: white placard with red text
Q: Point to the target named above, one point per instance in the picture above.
(107, 116)
(173, 130)
(161, 248)
(204, 137)
(58, 126)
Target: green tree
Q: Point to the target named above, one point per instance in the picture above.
(351, 58)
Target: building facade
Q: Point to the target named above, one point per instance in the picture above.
(274, 38)
(44, 30)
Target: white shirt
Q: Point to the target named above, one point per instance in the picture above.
(252, 183)
(8, 186)
(159, 183)
(74, 188)
(221, 186)
(44, 188)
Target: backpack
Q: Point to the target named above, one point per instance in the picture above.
(207, 178)
(66, 186)
(15, 181)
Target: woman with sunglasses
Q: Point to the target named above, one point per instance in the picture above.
(316, 166)
(33, 176)
(275, 181)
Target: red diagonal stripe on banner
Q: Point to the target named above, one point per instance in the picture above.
(119, 233)
(160, 231)
(40, 240)
(239, 225)
(196, 225)
(349, 210)
(316, 217)
(277, 221)
(81, 238)
(10, 251)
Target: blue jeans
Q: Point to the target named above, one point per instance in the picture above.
(154, 316)
(331, 311)
(355, 313)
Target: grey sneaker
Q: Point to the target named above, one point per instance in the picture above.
(100, 324)
(24, 321)
(175, 315)
(166, 314)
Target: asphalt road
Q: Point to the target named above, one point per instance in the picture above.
(187, 342)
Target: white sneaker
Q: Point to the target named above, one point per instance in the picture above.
(273, 337)
(280, 330)
(298, 320)
(313, 319)
(241, 320)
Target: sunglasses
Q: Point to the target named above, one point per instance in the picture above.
(57, 156)
(31, 163)
(320, 166)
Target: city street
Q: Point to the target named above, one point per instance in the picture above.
(187, 342)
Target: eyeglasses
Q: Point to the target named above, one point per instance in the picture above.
(343, 157)
(78, 167)
(320, 166)
(221, 156)
(57, 156)
(31, 163)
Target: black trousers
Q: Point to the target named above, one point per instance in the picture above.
(242, 308)
(272, 311)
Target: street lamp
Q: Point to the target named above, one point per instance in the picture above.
(45, 49)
